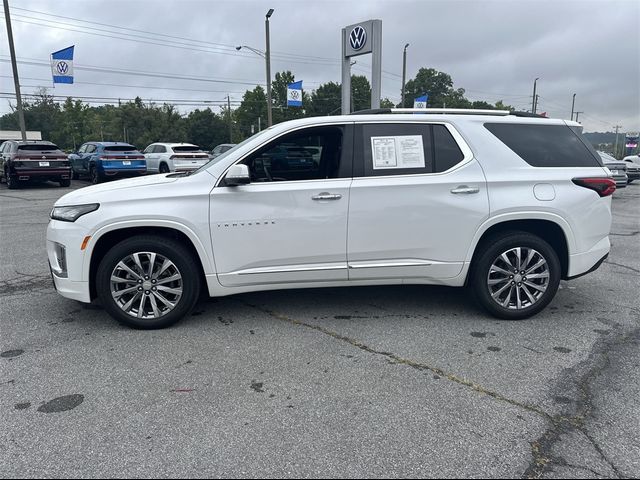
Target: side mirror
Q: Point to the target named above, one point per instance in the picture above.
(237, 175)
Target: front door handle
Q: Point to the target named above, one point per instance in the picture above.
(327, 196)
(465, 189)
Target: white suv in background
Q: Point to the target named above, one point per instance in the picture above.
(174, 157)
(500, 202)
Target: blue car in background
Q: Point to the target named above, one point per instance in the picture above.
(103, 160)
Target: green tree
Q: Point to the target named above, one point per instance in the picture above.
(252, 107)
(206, 129)
(325, 100)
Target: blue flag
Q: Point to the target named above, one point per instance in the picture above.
(294, 94)
(62, 65)
(421, 102)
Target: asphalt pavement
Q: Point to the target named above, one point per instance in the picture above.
(400, 381)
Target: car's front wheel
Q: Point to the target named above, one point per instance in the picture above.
(516, 275)
(164, 168)
(94, 175)
(148, 282)
(65, 182)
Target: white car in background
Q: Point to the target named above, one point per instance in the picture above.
(174, 157)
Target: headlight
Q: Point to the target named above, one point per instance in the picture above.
(72, 213)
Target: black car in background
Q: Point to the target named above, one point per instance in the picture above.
(33, 160)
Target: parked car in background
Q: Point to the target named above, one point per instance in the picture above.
(35, 160)
(618, 169)
(220, 149)
(633, 167)
(174, 157)
(102, 160)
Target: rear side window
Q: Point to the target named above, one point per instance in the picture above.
(446, 151)
(38, 147)
(119, 148)
(396, 149)
(545, 145)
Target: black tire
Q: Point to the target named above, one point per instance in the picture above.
(513, 287)
(12, 181)
(94, 175)
(163, 168)
(65, 182)
(183, 263)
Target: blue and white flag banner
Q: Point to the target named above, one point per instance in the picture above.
(294, 94)
(62, 65)
(421, 102)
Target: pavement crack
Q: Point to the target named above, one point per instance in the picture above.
(396, 359)
(24, 281)
(578, 379)
(622, 266)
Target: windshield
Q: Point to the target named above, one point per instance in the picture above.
(187, 148)
(119, 148)
(38, 147)
(232, 149)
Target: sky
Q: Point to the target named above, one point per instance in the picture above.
(183, 51)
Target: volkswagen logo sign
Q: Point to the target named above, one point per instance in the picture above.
(62, 67)
(358, 37)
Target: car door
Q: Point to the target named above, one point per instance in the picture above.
(151, 157)
(76, 159)
(289, 225)
(417, 199)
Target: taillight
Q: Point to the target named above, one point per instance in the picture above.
(602, 185)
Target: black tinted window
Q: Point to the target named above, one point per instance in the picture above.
(446, 151)
(186, 148)
(545, 145)
(38, 147)
(288, 158)
(119, 148)
(396, 149)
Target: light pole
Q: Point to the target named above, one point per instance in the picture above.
(268, 59)
(578, 114)
(404, 73)
(533, 103)
(573, 103)
(16, 81)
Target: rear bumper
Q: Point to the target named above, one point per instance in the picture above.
(586, 262)
(48, 173)
(113, 172)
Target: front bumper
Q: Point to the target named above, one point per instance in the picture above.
(69, 235)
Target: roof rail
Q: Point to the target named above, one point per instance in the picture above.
(457, 111)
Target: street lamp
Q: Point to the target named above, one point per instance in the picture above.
(573, 102)
(268, 60)
(533, 103)
(404, 73)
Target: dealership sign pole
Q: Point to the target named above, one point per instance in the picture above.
(358, 39)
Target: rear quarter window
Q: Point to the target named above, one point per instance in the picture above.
(546, 145)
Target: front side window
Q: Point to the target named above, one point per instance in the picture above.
(149, 149)
(90, 148)
(295, 156)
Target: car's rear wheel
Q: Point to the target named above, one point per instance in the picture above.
(516, 275)
(148, 282)
(12, 181)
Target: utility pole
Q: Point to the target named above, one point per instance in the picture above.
(268, 61)
(615, 150)
(404, 73)
(230, 124)
(573, 102)
(533, 102)
(577, 115)
(14, 65)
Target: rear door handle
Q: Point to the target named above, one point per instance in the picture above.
(465, 189)
(327, 196)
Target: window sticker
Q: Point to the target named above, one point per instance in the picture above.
(401, 151)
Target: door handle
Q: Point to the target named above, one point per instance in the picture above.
(327, 196)
(465, 189)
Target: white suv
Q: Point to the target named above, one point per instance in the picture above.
(503, 203)
(174, 157)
